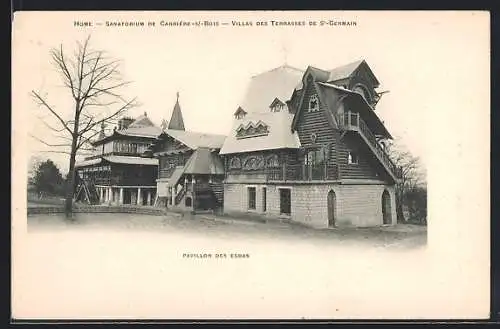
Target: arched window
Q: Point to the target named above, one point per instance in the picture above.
(313, 103)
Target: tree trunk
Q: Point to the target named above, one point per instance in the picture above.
(70, 188)
(399, 212)
(399, 205)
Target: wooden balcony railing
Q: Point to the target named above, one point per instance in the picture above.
(302, 172)
(124, 181)
(353, 122)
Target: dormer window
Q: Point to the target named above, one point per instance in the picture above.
(277, 105)
(252, 129)
(313, 103)
(277, 108)
(240, 113)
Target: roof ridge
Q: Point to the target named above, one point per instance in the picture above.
(195, 132)
(347, 64)
(277, 68)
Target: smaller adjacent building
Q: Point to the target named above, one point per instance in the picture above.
(118, 172)
(191, 173)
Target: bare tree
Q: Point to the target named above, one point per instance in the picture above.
(412, 173)
(95, 85)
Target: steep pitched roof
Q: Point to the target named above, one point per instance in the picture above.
(195, 140)
(150, 132)
(344, 71)
(202, 161)
(279, 136)
(338, 73)
(140, 127)
(176, 121)
(368, 113)
(119, 159)
(239, 110)
(265, 87)
(142, 121)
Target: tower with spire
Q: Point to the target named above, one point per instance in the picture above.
(176, 121)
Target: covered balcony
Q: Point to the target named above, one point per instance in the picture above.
(352, 121)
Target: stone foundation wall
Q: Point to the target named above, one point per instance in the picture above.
(356, 205)
(98, 209)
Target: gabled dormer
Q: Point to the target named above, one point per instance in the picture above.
(277, 105)
(358, 77)
(239, 113)
(252, 129)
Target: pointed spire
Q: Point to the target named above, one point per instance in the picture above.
(176, 121)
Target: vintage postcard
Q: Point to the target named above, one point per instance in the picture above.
(250, 165)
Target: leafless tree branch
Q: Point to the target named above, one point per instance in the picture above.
(94, 82)
(48, 144)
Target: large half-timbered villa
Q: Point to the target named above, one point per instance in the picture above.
(305, 146)
(308, 146)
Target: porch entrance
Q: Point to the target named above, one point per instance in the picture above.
(127, 196)
(386, 208)
(285, 201)
(332, 199)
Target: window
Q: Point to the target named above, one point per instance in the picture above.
(252, 129)
(285, 201)
(264, 201)
(315, 164)
(313, 103)
(251, 198)
(352, 158)
(278, 107)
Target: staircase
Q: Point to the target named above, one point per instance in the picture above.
(180, 195)
(161, 201)
(351, 121)
(87, 192)
(218, 192)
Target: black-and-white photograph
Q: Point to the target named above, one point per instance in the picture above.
(248, 165)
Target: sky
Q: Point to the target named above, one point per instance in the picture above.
(426, 60)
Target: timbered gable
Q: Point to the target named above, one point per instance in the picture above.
(316, 124)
